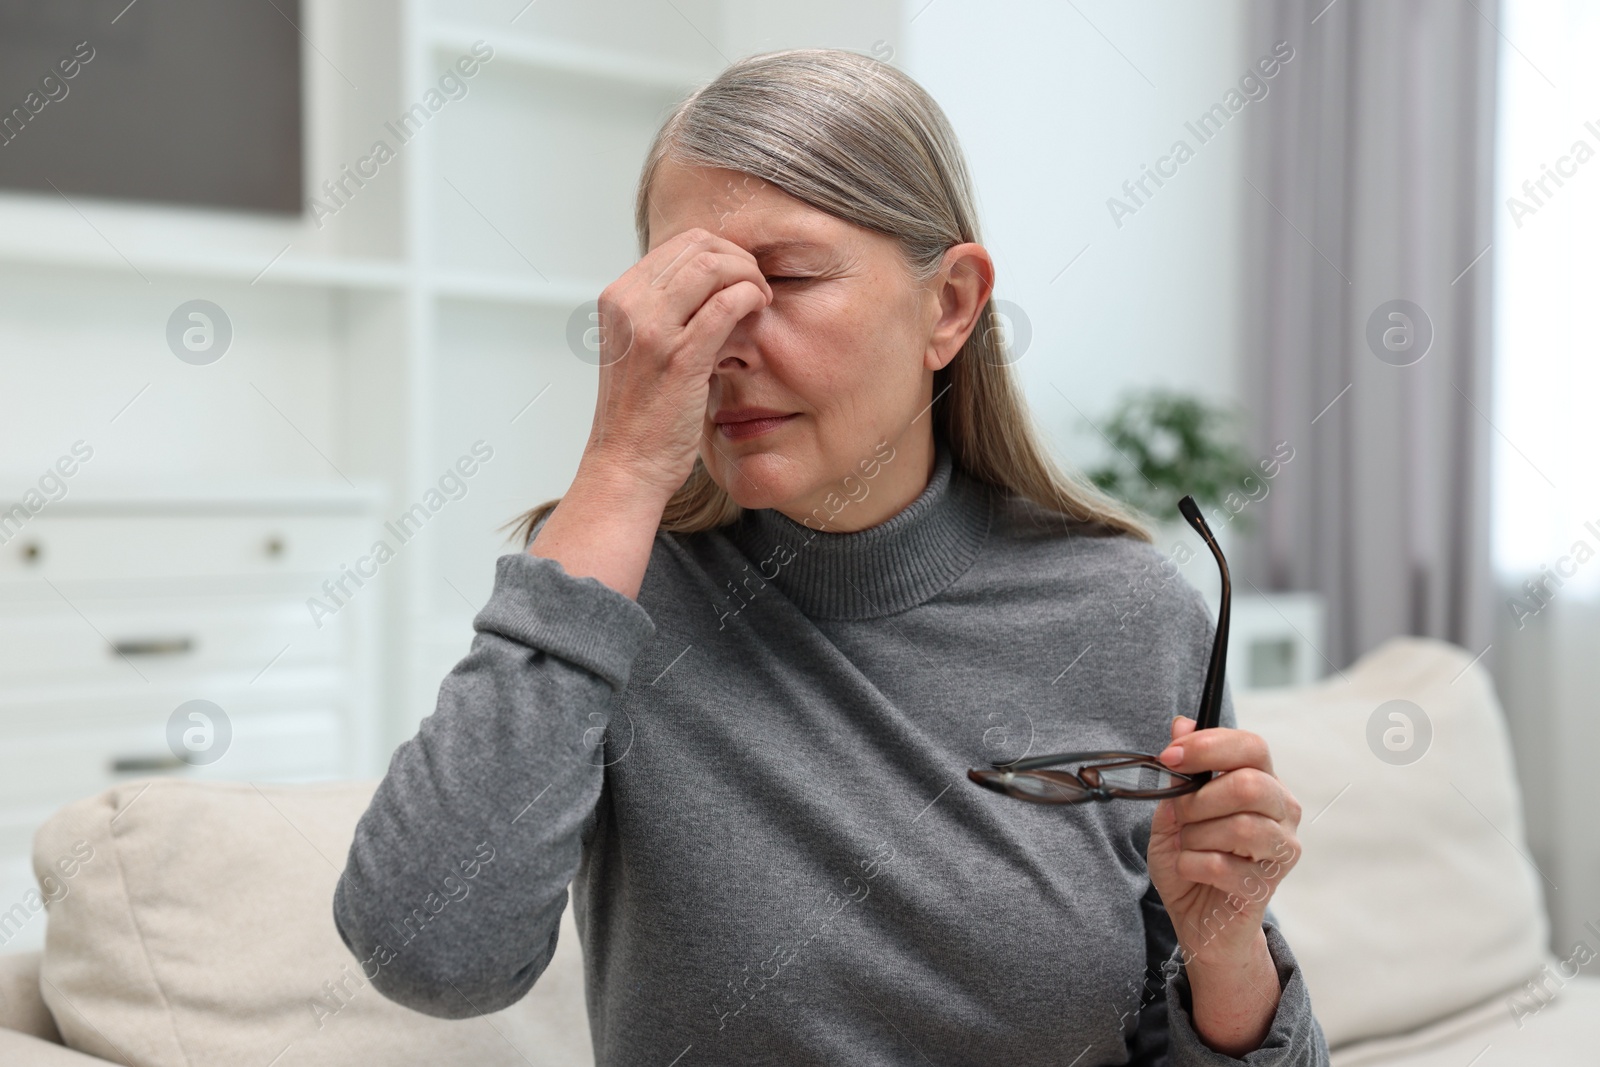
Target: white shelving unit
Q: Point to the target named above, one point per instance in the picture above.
(377, 347)
(118, 610)
(520, 211)
(377, 344)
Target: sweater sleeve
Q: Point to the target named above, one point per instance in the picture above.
(1294, 1039)
(1165, 1036)
(457, 877)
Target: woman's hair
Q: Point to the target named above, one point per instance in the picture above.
(856, 138)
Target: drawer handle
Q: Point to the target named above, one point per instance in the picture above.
(146, 764)
(154, 646)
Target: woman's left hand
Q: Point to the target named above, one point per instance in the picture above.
(1217, 855)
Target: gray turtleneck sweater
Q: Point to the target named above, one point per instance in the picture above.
(753, 778)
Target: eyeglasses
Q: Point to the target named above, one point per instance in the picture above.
(1131, 775)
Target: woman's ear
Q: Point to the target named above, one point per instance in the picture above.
(962, 287)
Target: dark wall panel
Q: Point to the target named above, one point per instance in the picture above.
(183, 101)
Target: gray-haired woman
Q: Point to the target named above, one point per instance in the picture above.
(813, 566)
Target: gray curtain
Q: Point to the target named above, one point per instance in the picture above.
(1369, 180)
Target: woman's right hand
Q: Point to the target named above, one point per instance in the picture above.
(662, 324)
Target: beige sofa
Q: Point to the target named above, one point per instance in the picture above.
(190, 921)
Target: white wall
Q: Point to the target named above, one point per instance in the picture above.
(764, 25)
(1056, 109)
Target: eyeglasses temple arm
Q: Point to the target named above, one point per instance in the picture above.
(1211, 697)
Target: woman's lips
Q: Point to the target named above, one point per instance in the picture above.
(746, 428)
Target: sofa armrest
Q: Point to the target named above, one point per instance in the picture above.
(22, 1009)
(25, 1050)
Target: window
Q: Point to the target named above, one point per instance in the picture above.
(1546, 459)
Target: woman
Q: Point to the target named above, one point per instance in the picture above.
(813, 566)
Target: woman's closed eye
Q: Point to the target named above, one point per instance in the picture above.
(787, 278)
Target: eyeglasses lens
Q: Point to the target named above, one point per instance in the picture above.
(1039, 787)
(1136, 777)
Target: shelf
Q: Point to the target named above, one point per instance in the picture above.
(572, 59)
(325, 273)
(143, 242)
(262, 498)
(342, 274)
(499, 288)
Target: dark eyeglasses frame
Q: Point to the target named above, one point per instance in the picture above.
(1066, 787)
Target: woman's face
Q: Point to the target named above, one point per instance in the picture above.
(844, 354)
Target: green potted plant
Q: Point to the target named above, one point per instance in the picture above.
(1168, 444)
(1165, 445)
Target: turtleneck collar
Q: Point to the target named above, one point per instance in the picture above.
(884, 569)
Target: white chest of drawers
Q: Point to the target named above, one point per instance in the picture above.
(116, 611)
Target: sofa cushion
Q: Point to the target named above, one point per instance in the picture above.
(197, 927)
(1415, 897)
(24, 1050)
(1556, 1024)
(22, 1010)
